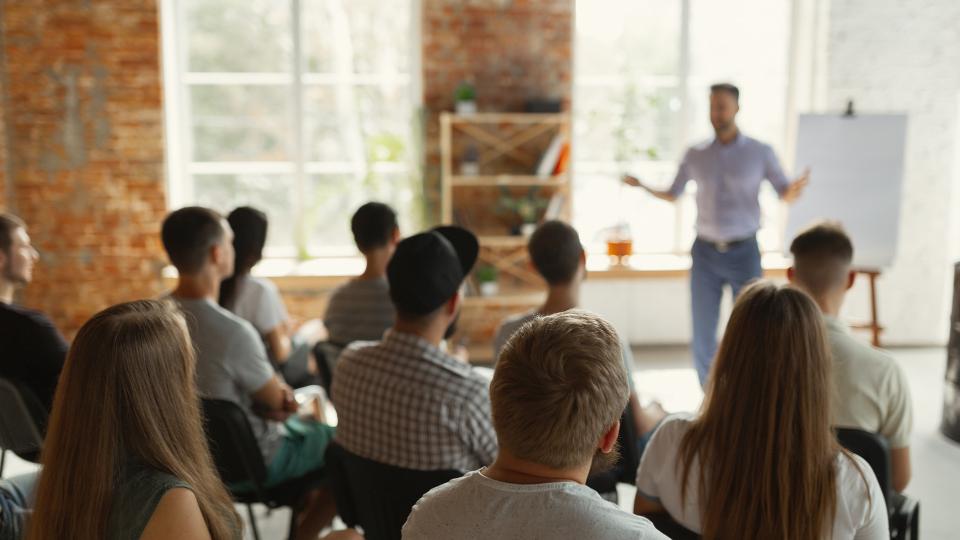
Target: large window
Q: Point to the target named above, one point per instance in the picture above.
(302, 108)
(642, 75)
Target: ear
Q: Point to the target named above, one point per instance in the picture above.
(851, 278)
(216, 254)
(609, 439)
(395, 237)
(791, 275)
(453, 303)
(3, 260)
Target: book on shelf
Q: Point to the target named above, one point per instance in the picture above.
(563, 161)
(548, 162)
(554, 207)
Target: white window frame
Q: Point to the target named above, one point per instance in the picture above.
(180, 167)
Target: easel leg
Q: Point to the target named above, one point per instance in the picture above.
(874, 322)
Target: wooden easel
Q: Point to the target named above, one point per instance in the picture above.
(873, 325)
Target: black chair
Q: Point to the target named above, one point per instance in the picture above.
(326, 354)
(375, 496)
(238, 459)
(670, 528)
(22, 422)
(625, 470)
(904, 512)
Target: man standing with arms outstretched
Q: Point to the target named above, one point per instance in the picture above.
(728, 171)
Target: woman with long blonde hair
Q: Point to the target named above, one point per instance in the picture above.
(761, 459)
(125, 454)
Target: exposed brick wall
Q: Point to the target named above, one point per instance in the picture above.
(510, 54)
(84, 127)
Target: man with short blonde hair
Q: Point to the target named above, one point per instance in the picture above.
(556, 397)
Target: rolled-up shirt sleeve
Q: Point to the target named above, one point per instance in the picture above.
(774, 172)
(683, 176)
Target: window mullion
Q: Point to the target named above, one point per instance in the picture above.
(297, 95)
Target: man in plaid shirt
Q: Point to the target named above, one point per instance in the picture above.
(404, 401)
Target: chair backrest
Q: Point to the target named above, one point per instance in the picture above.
(20, 430)
(376, 496)
(873, 448)
(232, 443)
(326, 355)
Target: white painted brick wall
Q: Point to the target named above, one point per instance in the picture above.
(898, 55)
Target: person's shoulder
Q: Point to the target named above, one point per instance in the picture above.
(675, 424)
(581, 506)
(220, 322)
(455, 495)
(854, 475)
(261, 285)
(847, 348)
(25, 315)
(512, 323)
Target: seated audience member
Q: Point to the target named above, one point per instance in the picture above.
(558, 256)
(16, 501)
(232, 364)
(775, 467)
(870, 389)
(361, 310)
(404, 401)
(557, 395)
(258, 301)
(32, 349)
(125, 456)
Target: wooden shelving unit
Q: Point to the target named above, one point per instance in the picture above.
(508, 148)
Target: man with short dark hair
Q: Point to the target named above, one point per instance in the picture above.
(361, 310)
(32, 351)
(557, 254)
(232, 362)
(728, 171)
(557, 395)
(405, 401)
(870, 390)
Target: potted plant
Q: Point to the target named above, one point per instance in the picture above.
(527, 207)
(487, 280)
(465, 98)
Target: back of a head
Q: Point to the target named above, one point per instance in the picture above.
(9, 224)
(126, 393)
(188, 234)
(821, 258)
(555, 250)
(765, 425)
(373, 226)
(249, 227)
(558, 387)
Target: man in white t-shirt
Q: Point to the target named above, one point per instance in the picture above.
(870, 390)
(556, 396)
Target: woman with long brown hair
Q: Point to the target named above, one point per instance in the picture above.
(761, 460)
(125, 454)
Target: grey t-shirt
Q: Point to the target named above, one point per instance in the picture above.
(359, 310)
(136, 496)
(476, 507)
(511, 324)
(231, 364)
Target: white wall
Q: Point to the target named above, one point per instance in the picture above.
(891, 55)
(886, 55)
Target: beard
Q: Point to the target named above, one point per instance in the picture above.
(452, 329)
(604, 462)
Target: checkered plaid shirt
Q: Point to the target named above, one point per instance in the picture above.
(406, 403)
